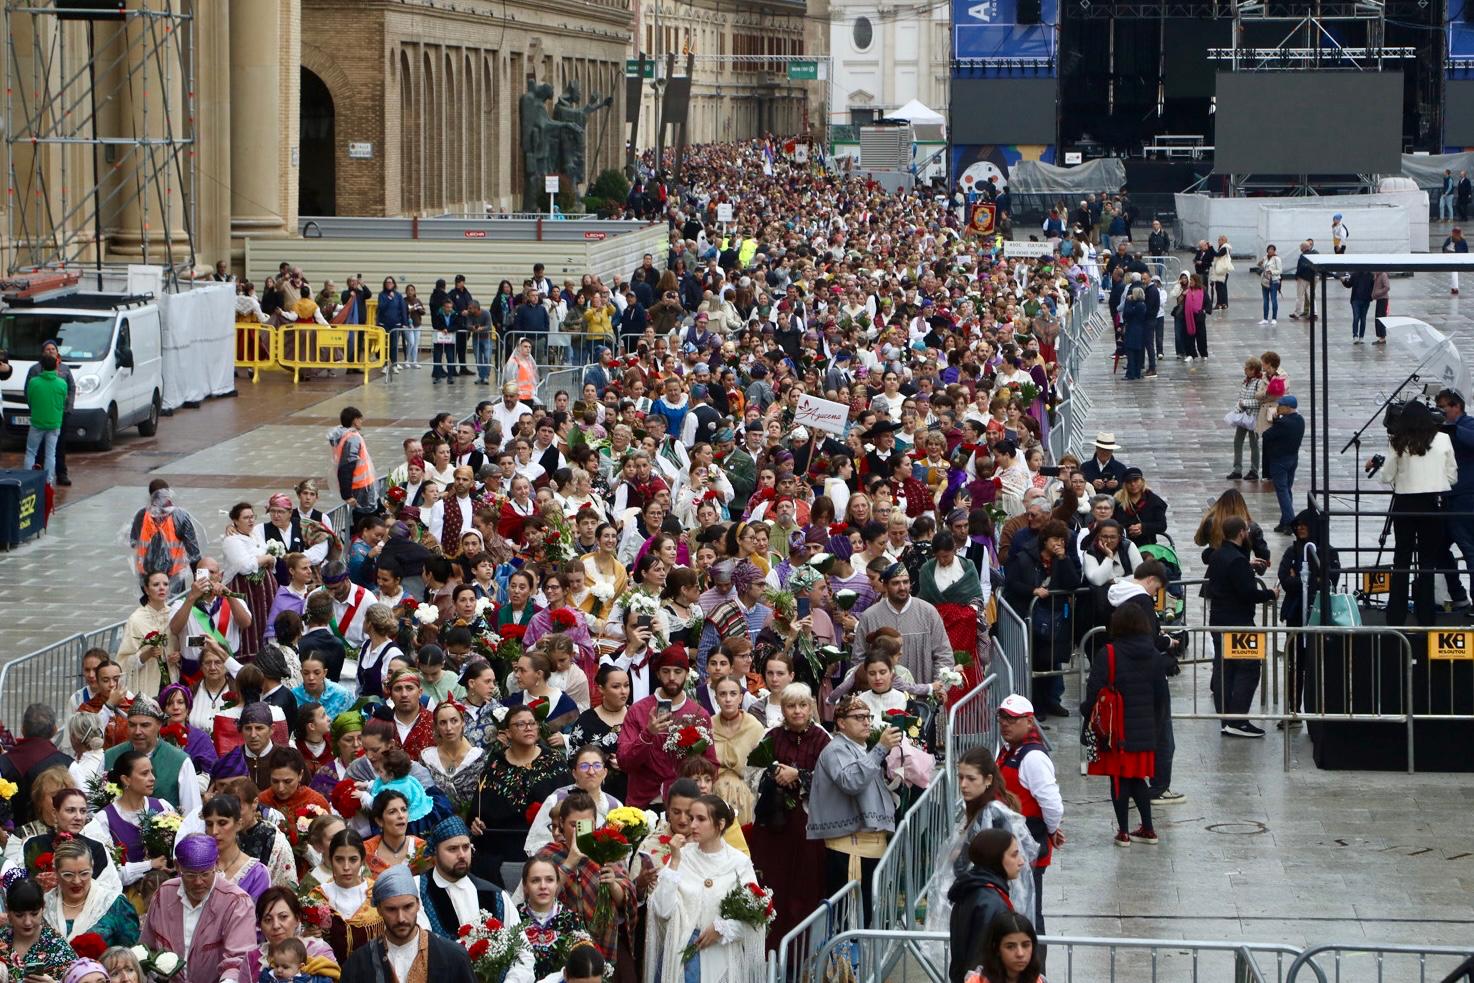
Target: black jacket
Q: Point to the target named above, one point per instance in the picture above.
(1025, 571)
(1140, 668)
(1282, 440)
(978, 896)
(448, 963)
(1158, 243)
(329, 646)
(1151, 515)
(1292, 607)
(1203, 261)
(1112, 470)
(1303, 269)
(1231, 589)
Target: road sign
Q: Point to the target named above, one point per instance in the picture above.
(550, 183)
(632, 68)
(1451, 645)
(803, 71)
(1248, 645)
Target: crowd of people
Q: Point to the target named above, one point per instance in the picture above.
(579, 678)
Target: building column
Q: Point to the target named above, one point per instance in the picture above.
(213, 196)
(265, 117)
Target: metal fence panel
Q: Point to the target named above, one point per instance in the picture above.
(973, 720)
(797, 955)
(1424, 964)
(1013, 644)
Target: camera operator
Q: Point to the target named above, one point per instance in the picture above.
(1422, 469)
(1459, 500)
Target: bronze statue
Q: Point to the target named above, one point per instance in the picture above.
(571, 147)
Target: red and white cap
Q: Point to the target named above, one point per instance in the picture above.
(1016, 706)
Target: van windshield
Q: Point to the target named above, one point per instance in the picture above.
(82, 338)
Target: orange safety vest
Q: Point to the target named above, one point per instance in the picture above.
(526, 379)
(173, 545)
(363, 471)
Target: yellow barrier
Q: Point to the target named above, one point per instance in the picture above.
(255, 347)
(314, 346)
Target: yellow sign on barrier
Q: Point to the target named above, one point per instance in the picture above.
(1376, 582)
(1451, 645)
(1161, 600)
(1248, 645)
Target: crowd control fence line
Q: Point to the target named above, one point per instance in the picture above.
(1338, 678)
(1012, 641)
(894, 956)
(1336, 963)
(796, 957)
(298, 348)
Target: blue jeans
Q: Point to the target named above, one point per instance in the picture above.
(1359, 310)
(1271, 301)
(1283, 476)
(1446, 206)
(1461, 534)
(483, 346)
(42, 443)
(445, 351)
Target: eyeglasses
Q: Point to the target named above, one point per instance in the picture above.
(523, 723)
(72, 876)
(860, 716)
(591, 767)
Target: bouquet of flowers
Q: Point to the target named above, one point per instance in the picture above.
(101, 793)
(750, 904)
(962, 657)
(763, 756)
(1028, 392)
(158, 830)
(604, 845)
(907, 723)
(635, 824)
(176, 734)
(484, 607)
(344, 798)
(492, 947)
(425, 614)
(296, 825)
(558, 544)
(950, 678)
(276, 549)
(89, 945)
(161, 966)
(603, 591)
(563, 619)
(317, 915)
(7, 792)
(687, 738)
(154, 639)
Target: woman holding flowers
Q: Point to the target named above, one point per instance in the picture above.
(177, 702)
(80, 903)
(248, 569)
(553, 708)
(689, 895)
(590, 769)
(280, 915)
(454, 763)
(222, 818)
(607, 577)
(551, 929)
(214, 691)
(146, 642)
(393, 845)
(133, 774)
(601, 894)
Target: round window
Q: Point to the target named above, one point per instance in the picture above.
(864, 33)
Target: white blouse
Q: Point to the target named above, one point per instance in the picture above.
(242, 555)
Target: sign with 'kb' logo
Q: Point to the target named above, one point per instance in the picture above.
(1244, 645)
(1447, 645)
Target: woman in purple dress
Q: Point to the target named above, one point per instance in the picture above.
(133, 772)
(177, 702)
(790, 864)
(222, 818)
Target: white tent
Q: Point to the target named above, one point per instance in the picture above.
(916, 111)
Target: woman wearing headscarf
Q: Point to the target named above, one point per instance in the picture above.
(346, 735)
(176, 701)
(950, 582)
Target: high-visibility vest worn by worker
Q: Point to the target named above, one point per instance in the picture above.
(159, 547)
(363, 468)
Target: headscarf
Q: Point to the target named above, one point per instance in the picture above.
(396, 882)
(746, 574)
(672, 655)
(197, 851)
(347, 722)
(83, 968)
(279, 501)
(173, 688)
(256, 713)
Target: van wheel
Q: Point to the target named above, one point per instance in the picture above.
(109, 430)
(150, 426)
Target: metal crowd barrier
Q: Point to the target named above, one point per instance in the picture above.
(899, 956)
(556, 349)
(797, 955)
(297, 348)
(1167, 268)
(1012, 639)
(51, 674)
(1410, 963)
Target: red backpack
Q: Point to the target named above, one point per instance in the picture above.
(1106, 728)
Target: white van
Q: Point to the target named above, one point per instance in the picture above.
(114, 346)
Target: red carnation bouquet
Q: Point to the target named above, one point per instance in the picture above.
(689, 738)
(175, 734)
(563, 619)
(89, 945)
(344, 799)
(513, 632)
(492, 947)
(604, 845)
(750, 904)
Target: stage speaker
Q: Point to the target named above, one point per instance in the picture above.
(89, 9)
(1469, 11)
(1029, 11)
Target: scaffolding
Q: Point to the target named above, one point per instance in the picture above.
(101, 138)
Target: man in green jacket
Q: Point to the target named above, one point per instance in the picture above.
(46, 394)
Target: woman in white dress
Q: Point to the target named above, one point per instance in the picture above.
(687, 901)
(249, 570)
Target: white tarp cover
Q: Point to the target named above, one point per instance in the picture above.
(1032, 177)
(1428, 171)
(916, 111)
(199, 343)
(1380, 228)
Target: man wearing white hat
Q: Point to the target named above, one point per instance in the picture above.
(1102, 470)
(1028, 772)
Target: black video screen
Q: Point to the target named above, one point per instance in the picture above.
(1003, 111)
(1308, 123)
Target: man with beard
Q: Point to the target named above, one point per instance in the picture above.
(924, 645)
(407, 951)
(642, 752)
(451, 896)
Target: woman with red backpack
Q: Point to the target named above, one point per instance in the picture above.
(1120, 717)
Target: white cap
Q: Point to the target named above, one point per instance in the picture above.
(1016, 706)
